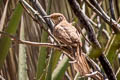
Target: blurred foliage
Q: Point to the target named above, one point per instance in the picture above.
(43, 63)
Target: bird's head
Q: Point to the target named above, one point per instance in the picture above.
(56, 17)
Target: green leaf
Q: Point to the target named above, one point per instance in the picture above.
(22, 64)
(54, 58)
(5, 42)
(113, 47)
(42, 57)
(118, 75)
(59, 72)
(95, 52)
(1, 1)
(49, 68)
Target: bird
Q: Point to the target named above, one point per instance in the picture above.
(67, 34)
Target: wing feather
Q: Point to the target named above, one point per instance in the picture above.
(73, 34)
(67, 34)
(61, 35)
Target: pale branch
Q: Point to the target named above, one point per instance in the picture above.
(2, 78)
(29, 13)
(118, 19)
(37, 44)
(95, 75)
(13, 38)
(27, 6)
(42, 12)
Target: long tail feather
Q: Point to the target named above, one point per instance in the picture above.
(81, 64)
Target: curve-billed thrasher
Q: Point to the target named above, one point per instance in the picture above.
(68, 35)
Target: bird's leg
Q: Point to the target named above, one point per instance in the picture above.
(73, 51)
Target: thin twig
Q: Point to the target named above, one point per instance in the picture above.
(112, 9)
(25, 4)
(2, 78)
(96, 75)
(42, 12)
(95, 7)
(80, 31)
(115, 26)
(13, 38)
(59, 47)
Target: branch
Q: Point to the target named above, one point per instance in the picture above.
(59, 47)
(42, 12)
(114, 25)
(26, 6)
(105, 63)
(112, 9)
(39, 17)
(83, 19)
(13, 38)
(91, 34)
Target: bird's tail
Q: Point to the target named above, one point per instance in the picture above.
(81, 64)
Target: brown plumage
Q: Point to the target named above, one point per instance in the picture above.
(68, 35)
(64, 31)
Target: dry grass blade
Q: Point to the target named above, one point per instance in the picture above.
(94, 21)
(2, 21)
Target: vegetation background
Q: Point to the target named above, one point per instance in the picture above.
(25, 62)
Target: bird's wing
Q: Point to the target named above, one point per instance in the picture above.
(73, 33)
(61, 34)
